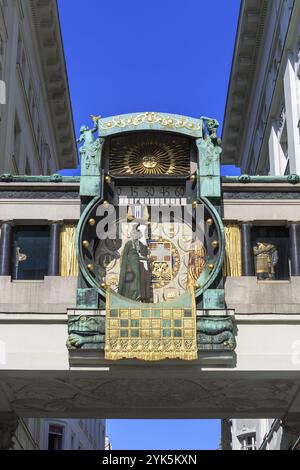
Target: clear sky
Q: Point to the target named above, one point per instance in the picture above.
(161, 55)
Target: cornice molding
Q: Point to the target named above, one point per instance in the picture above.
(247, 49)
(45, 19)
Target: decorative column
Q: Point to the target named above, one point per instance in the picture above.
(5, 249)
(295, 248)
(292, 118)
(247, 250)
(277, 159)
(53, 260)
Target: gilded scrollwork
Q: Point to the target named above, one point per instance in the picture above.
(165, 121)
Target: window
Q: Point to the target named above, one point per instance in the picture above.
(30, 96)
(30, 252)
(1, 50)
(287, 169)
(19, 51)
(248, 442)
(17, 139)
(23, 65)
(27, 167)
(55, 437)
(272, 247)
(33, 113)
(15, 169)
(72, 441)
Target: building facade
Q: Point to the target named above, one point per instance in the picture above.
(261, 136)
(36, 126)
(260, 131)
(228, 350)
(152, 324)
(60, 434)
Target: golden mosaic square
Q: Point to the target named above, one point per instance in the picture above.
(188, 323)
(166, 314)
(188, 333)
(135, 313)
(114, 333)
(177, 314)
(145, 334)
(124, 313)
(155, 323)
(156, 333)
(145, 323)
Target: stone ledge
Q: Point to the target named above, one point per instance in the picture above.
(52, 295)
(86, 358)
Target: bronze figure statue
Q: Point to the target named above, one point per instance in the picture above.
(135, 273)
(266, 257)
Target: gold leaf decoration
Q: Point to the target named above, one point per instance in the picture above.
(149, 154)
(163, 120)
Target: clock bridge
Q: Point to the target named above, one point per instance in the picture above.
(150, 286)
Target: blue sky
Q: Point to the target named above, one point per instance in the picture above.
(161, 55)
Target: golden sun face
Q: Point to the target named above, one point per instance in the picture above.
(149, 161)
(146, 154)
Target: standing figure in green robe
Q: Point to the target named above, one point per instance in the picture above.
(135, 274)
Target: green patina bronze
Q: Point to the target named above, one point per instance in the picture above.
(55, 178)
(213, 299)
(151, 121)
(209, 151)
(90, 160)
(246, 179)
(86, 332)
(213, 333)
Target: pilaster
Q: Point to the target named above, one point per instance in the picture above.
(5, 249)
(290, 96)
(53, 259)
(247, 252)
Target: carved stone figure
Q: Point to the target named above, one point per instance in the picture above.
(266, 257)
(213, 333)
(89, 150)
(212, 126)
(135, 274)
(86, 332)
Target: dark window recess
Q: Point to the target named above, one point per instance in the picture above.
(279, 237)
(55, 437)
(287, 170)
(30, 252)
